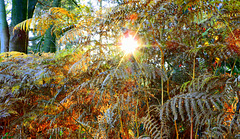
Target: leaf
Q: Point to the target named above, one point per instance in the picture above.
(15, 88)
(206, 32)
(181, 108)
(173, 107)
(187, 108)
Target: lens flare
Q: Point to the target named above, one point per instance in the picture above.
(129, 45)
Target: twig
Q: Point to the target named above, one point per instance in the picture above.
(76, 3)
(43, 4)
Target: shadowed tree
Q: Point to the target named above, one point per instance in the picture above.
(21, 10)
(50, 38)
(4, 31)
(31, 7)
(18, 40)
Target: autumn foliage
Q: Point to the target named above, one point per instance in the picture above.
(181, 82)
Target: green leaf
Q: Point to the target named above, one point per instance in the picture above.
(206, 32)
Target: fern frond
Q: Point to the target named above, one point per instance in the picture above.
(25, 25)
(60, 12)
(206, 105)
(154, 126)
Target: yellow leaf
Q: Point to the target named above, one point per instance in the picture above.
(238, 43)
(12, 54)
(12, 112)
(131, 132)
(206, 43)
(217, 59)
(15, 88)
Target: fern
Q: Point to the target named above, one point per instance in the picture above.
(205, 106)
(101, 92)
(154, 126)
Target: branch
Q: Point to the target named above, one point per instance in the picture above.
(43, 4)
(67, 29)
(75, 3)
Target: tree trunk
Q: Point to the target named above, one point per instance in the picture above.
(31, 7)
(49, 41)
(50, 38)
(4, 31)
(19, 38)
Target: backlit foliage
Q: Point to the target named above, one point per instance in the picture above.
(184, 77)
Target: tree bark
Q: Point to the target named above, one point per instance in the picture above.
(4, 31)
(50, 38)
(21, 10)
(19, 38)
(49, 41)
(31, 7)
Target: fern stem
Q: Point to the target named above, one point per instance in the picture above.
(163, 68)
(137, 119)
(148, 107)
(162, 89)
(162, 59)
(175, 123)
(194, 68)
(120, 117)
(196, 132)
(168, 89)
(191, 135)
(233, 67)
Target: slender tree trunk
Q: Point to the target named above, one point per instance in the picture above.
(21, 10)
(49, 41)
(19, 38)
(50, 38)
(4, 31)
(31, 7)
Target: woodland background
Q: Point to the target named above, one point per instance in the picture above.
(64, 75)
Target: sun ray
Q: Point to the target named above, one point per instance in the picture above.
(136, 45)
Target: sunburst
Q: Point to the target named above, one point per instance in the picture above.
(129, 44)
